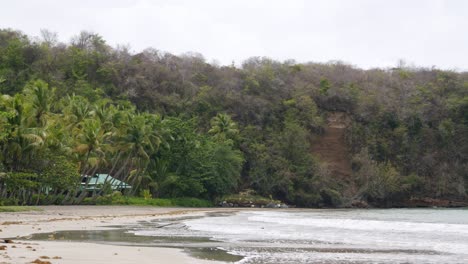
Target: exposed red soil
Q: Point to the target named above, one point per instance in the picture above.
(331, 148)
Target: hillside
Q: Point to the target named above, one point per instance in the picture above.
(177, 126)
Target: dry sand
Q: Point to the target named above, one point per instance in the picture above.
(57, 218)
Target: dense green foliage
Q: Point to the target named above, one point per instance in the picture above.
(18, 208)
(177, 126)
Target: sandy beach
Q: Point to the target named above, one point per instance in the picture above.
(58, 218)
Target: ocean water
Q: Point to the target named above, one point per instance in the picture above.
(322, 236)
(421, 236)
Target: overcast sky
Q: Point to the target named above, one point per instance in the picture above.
(365, 33)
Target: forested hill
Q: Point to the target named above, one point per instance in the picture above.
(177, 126)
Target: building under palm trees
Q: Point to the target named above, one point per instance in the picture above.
(99, 181)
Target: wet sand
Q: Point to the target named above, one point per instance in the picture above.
(58, 218)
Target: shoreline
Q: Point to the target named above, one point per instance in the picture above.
(61, 218)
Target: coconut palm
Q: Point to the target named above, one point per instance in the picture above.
(76, 109)
(21, 141)
(223, 127)
(139, 139)
(91, 144)
(40, 97)
(105, 112)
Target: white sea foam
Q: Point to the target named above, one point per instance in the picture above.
(336, 236)
(369, 225)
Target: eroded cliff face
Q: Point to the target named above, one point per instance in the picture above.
(331, 148)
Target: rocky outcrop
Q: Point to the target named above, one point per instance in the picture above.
(359, 204)
(252, 204)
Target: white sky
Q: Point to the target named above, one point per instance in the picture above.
(366, 33)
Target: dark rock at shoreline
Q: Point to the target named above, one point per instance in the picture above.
(226, 204)
(274, 205)
(359, 204)
(431, 202)
(253, 205)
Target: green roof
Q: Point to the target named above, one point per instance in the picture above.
(98, 180)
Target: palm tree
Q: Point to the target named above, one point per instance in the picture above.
(139, 139)
(105, 112)
(76, 110)
(92, 147)
(59, 137)
(223, 128)
(158, 176)
(90, 144)
(41, 99)
(21, 141)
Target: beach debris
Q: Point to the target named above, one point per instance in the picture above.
(44, 257)
(38, 261)
(11, 223)
(8, 241)
(161, 226)
(28, 247)
(57, 257)
(3, 247)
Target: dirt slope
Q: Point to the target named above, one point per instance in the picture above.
(331, 147)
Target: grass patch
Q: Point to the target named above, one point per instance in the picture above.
(173, 202)
(140, 201)
(18, 208)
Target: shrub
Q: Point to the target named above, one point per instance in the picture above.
(307, 199)
(331, 197)
(146, 194)
(9, 201)
(191, 202)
